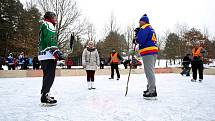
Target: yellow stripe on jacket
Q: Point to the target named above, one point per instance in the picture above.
(148, 50)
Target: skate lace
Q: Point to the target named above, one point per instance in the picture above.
(48, 97)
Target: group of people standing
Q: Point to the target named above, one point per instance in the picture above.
(196, 61)
(49, 53)
(22, 62)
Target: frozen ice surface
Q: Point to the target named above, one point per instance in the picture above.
(179, 99)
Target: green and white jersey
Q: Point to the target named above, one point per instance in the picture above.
(47, 41)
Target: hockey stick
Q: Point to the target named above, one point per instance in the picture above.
(129, 73)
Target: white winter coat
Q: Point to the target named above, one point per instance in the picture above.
(90, 58)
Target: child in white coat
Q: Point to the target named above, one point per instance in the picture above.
(90, 61)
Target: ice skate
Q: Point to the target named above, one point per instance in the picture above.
(144, 92)
(150, 96)
(200, 80)
(89, 85)
(92, 85)
(46, 100)
(193, 80)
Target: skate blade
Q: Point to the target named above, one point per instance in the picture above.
(48, 104)
(150, 98)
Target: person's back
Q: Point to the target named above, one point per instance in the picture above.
(186, 60)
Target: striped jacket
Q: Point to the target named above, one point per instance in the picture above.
(146, 38)
(47, 41)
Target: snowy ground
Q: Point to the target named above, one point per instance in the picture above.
(178, 99)
(159, 64)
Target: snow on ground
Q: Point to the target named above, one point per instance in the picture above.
(162, 63)
(178, 99)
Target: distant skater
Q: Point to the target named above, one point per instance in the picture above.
(198, 54)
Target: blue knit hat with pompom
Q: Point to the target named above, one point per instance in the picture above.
(144, 18)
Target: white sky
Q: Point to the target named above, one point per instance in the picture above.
(163, 14)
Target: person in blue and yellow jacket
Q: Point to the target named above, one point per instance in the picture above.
(146, 38)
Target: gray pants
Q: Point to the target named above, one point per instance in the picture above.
(149, 64)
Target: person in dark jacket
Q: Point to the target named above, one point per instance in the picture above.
(10, 62)
(1, 62)
(186, 62)
(36, 63)
(198, 53)
(114, 60)
(49, 53)
(102, 62)
(26, 63)
(21, 60)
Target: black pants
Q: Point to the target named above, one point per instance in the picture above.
(22, 66)
(49, 67)
(115, 66)
(101, 66)
(126, 63)
(69, 67)
(90, 75)
(186, 70)
(197, 65)
(11, 67)
(36, 66)
(1, 67)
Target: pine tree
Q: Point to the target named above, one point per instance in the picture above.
(113, 40)
(10, 12)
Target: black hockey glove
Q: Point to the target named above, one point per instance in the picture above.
(136, 31)
(134, 41)
(58, 55)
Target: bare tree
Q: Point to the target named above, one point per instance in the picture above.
(130, 35)
(112, 25)
(180, 30)
(91, 32)
(68, 16)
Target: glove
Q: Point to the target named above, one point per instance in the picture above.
(134, 41)
(136, 30)
(58, 55)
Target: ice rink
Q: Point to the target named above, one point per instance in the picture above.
(178, 99)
